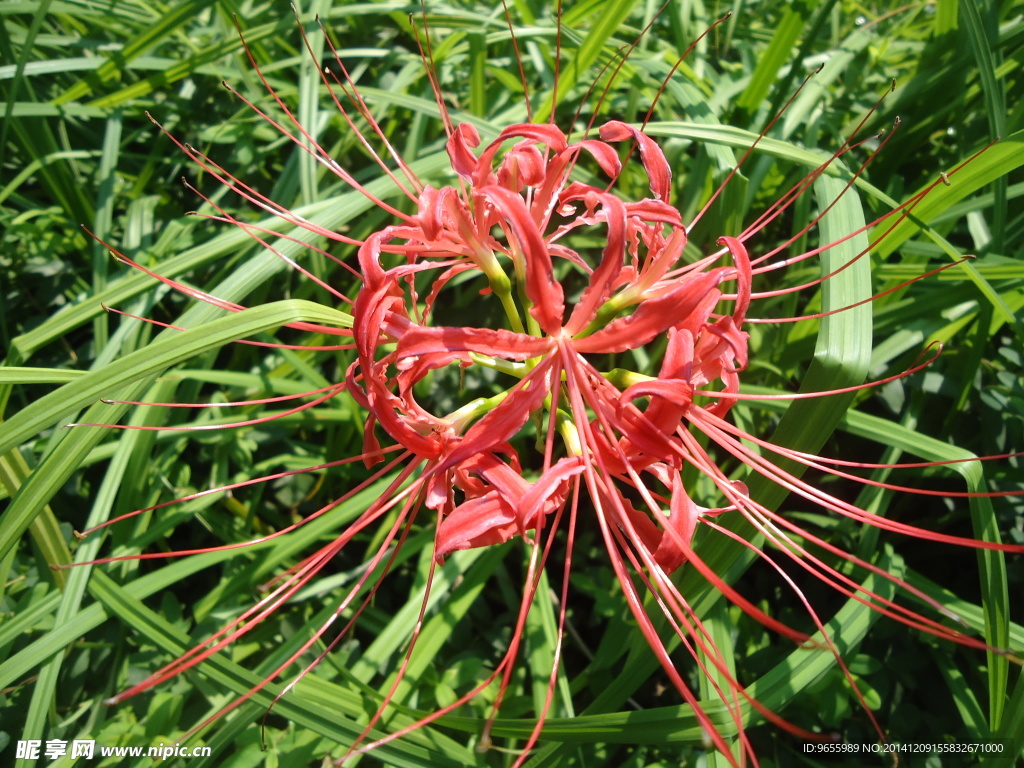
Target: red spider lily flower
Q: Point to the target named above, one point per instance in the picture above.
(571, 435)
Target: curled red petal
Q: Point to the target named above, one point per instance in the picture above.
(464, 139)
(655, 211)
(425, 341)
(507, 418)
(651, 156)
(500, 476)
(478, 522)
(548, 135)
(654, 316)
(431, 207)
(675, 390)
(682, 520)
(604, 278)
(522, 166)
(605, 156)
(543, 290)
(744, 275)
(549, 491)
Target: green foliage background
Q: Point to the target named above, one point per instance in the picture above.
(76, 81)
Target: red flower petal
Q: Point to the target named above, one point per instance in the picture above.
(651, 155)
(427, 341)
(655, 316)
(478, 522)
(604, 278)
(460, 147)
(541, 287)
